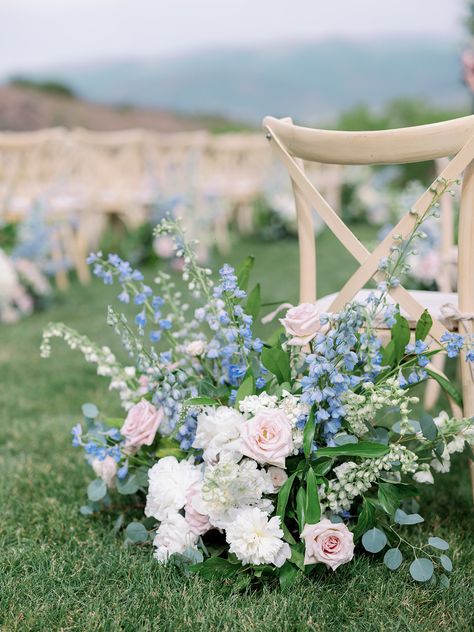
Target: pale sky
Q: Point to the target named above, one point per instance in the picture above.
(38, 34)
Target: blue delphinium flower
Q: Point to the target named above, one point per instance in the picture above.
(454, 343)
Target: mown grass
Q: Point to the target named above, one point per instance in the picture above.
(61, 571)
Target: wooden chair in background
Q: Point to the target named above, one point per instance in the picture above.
(295, 144)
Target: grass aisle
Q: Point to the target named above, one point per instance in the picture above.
(60, 571)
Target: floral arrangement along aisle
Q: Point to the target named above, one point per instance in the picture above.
(271, 457)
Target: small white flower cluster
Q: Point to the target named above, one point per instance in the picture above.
(354, 479)
(361, 409)
(122, 379)
(455, 433)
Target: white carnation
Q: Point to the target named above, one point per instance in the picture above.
(173, 536)
(229, 485)
(218, 430)
(255, 539)
(169, 483)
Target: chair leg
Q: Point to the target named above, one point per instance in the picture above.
(433, 389)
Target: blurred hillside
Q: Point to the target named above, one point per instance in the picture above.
(24, 108)
(313, 82)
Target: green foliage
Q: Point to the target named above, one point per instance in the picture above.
(363, 449)
(392, 559)
(407, 519)
(277, 362)
(243, 272)
(57, 88)
(136, 533)
(254, 302)
(245, 389)
(308, 434)
(374, 540)
(446, 385)
(96, 490)
(313, 507)
(423, 326)
(421, 569)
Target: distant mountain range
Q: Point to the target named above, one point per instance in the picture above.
(312, 82)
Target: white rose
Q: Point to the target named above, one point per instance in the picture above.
(169, 483)
(196, 348)
(218, 429)
(173, 536)
(106, 469)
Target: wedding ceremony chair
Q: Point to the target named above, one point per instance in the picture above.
(450, 311)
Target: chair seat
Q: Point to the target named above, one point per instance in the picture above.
(432, 301)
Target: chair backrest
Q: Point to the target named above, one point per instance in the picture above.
(455, 138)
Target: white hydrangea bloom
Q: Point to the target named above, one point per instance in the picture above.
(174, 535)
(169, 483)
(218, 430)
(255, 539)
(229, 485)
(252, 403)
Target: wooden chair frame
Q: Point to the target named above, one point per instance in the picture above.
(293, 144)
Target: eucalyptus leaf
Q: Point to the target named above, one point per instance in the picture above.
(438, 543)
(96, 490)
(446, 563)
(136, 533)
(407, 519)
(444, 581)
(421, 569)
(412, 427)
(86, 510)
(374, 540)
(392, 559)
(428, 427)
(128, 486)
(344, 439)
(90, 411)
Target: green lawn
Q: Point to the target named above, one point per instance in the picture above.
(61, 571)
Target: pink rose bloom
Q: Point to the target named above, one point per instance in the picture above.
(278, 476)
(331, 544)
(105, 469)
(141, 424)
(302, 323)
(266, 438)
(198, 522)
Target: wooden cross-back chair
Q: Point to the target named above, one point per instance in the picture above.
(295, 144)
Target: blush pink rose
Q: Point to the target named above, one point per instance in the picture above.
(105, 469)
(197, 522)
(266, 438)
(141, 424)
(278, 476)
(302, 323)
(331, 544)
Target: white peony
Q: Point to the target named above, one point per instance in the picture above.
(173, 536)
(169, 483)
(255, 539)
(218, 430)
(228, 486)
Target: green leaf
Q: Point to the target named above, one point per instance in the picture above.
(128, 486)
(445, 384)
(243, 272)
(421, 569)
(308, 434)
(438, 543)
(283, 496)
(444, 581)
(392, 559)
(245, 389)
(297, 555)
(388, 354)
(388, 497)
(201, 401)
(428, 427)
(136, 532)
(215, 567)
(96, 490)
(301, 507)
(400, 336)
(167, 447)
(90, 411)
(366, 519)
(313, 506)
(87, 510)
(277, 362)
(344, 439)
(322, 466)
(408, 519)
(446, 563)
(287, 574)
(364, 449)
(254, 302)
(374, 540)
(423, 326)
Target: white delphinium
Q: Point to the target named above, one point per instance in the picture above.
(353, 479)
(229, 485)
(174, 535)
(455, 433)
(362, 408)
(218, 431)
(255, 539)
(170, 481)
(424, 474)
